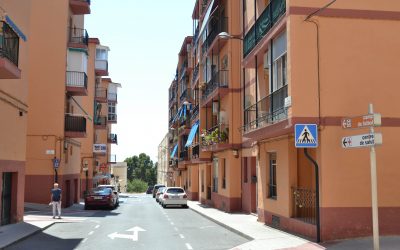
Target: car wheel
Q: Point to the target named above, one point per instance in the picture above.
(186, 206)
(164, 206)
(86, 207)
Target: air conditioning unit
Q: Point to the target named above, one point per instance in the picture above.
(267, 62)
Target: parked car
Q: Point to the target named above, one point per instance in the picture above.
(174, 196)
(155, 189)
(113, 188)
(150, 190)
(101, 197)
(159, 193)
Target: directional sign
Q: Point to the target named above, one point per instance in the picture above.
(362, 121)
(365, 140)
(134, 236)
(56, 163)
(306, 135)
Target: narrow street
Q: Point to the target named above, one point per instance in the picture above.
(138, 223)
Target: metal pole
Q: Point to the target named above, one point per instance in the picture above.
(374, 189)
(316, 194)
(56, 175)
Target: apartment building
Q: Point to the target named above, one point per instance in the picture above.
(163, 161)
(307, 64)
(14, 75)
(119, 172)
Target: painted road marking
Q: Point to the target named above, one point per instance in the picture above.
(188, 246)
(84, 240)
(134, 236)
(172, 224)
(91, 232)
(181, 235)
(97, 226)
(175, 228)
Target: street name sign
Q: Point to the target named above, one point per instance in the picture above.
(362, 121)
(364, 140)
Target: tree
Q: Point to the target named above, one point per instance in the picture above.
(142, 168)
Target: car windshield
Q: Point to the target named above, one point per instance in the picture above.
(101, 191)
(102, 187)
(175, 191)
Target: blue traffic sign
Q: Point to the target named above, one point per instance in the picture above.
(306, 135)
(56, 163)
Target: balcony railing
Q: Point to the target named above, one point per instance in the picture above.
(9, 44)
(183, 156)
(75, 124)
(263, 24)
(112, 138)
(76, 79)
(196, 151)
(219, 79)
(304, 204)
(112, 117)
(78, 36)
(184, 95)
(195, 74)
(221, 26)
(112, 97)
(267, 111)
(184, 66)
(101, 93)
(100, 121)
(195, 112)
(215, 135)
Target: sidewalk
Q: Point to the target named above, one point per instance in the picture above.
(266, 238)
(37, 218)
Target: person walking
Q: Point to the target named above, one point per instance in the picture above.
(56, 200)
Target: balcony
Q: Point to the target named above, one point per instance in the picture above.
(80, 7)
(220, 26)
(78, 38)
(112, 159)
(195, 112)
(101, 67)
(268, 18)
(215, 139)
(76, 83)
(101, 95)
(218, 85)
(9, 52)
(196, 151)
(183, 156)
(75, 126)
(100, 122)
(269, 110)
(185, 96)
(112, 118)
(112, 97)
(112, 138)
(195, 75)
(183, 70)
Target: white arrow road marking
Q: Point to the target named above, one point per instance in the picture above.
(134, 236)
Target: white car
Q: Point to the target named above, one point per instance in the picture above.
(159, 193)
(174, 196)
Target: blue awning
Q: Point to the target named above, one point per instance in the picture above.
(15, 28)
(184, 111)
(174, 151)
(192, 133)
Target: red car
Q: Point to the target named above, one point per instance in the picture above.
(101, 197)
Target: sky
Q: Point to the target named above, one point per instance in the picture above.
(145, 37)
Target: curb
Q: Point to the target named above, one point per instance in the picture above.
(223, 225)
(27, 236)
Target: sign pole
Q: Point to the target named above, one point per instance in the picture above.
(374, 192)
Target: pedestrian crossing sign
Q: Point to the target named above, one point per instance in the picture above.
(306, 135)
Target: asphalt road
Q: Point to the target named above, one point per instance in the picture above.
(138, 223)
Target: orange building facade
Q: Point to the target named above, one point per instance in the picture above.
(257, 68)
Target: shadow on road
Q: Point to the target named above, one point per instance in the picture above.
(42, 241)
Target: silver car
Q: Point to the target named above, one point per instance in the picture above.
(174, 196)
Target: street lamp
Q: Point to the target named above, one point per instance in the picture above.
(225, 36)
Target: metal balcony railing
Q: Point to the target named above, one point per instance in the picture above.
(9, 43)
(78, 36)
(220, 26)
(112, 138)
(112, 96)
(100, 121)
(183, 156)
(195, 74)
(267, 111)
(76, 79)
(112, 117)
(75, 123)
(304, 204)
(195, 112)
(263, 24)
(219, 79)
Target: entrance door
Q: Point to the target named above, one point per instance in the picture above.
(6, 199)
(253, 187)
(76, 193)
(208, 177)
(68, 193)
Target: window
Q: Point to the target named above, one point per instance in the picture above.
(215, 175)
(202, 180)
(112, 112)
(223, 173)
(272, 176)
(101, 54)
(279, 73)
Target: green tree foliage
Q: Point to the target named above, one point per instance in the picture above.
(142, 168)
(136, 186)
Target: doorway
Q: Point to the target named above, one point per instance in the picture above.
(68, 193)
(249, 185)
(6, 199)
